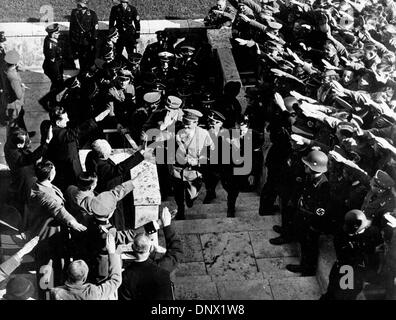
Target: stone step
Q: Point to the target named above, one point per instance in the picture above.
(326, 259)
(219, 225)
(295, 288)
(204, 288)
(217, 210)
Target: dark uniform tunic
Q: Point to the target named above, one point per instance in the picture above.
(357, 251)
(53, 62)
(128, 24)
(83, 36)
(312, 219)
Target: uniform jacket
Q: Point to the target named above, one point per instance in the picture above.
(46, 201)
(52, 50)
(314, 201)
(193, 146)
(150, 280)
(376, 205)
(357, 250)
(88, 291)
(83, 27)
(63, 151)
(126, 21)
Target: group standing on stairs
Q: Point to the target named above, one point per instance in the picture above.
(324, 98)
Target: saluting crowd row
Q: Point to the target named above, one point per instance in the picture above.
(319, 130)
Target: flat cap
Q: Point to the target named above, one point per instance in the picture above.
(12, 57)
(112, 32)
(52, 28)
(191, 114)
(383, 179)
(103, 205)
(152, 97)
(19, 288)
(165, 55)
(173, 102)
(2, 37)
(274, 25)
(216, 115)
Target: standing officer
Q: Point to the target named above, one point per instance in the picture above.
(192, 143)
(83, 34)
(52, 66)
(312, 212)
(355, 244)
(214, 171)
(150, 55)
(126, 19)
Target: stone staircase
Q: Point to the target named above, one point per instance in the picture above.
(232, 259)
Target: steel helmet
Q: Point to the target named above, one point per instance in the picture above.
(289, 103)
(355, 221)
(316, 160)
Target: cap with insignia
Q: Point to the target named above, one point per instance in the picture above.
(173, 103)
(383, 180)
(52, 28)
(135, 58)
(112, 33)
(191, 114)
(243, 120)
(124, 74)
(12, 57)
(152, 97)
(346, 126)
(274, 25)
(161, 34)
(207, 98)
(187, 49)
(216, 116)
(83, 3)
(165, 55)
(2, 37)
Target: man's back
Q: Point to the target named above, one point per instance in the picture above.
(145, 281)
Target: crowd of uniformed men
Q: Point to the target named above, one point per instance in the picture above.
(319, 128)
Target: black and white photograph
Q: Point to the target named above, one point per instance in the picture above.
(193, 156)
